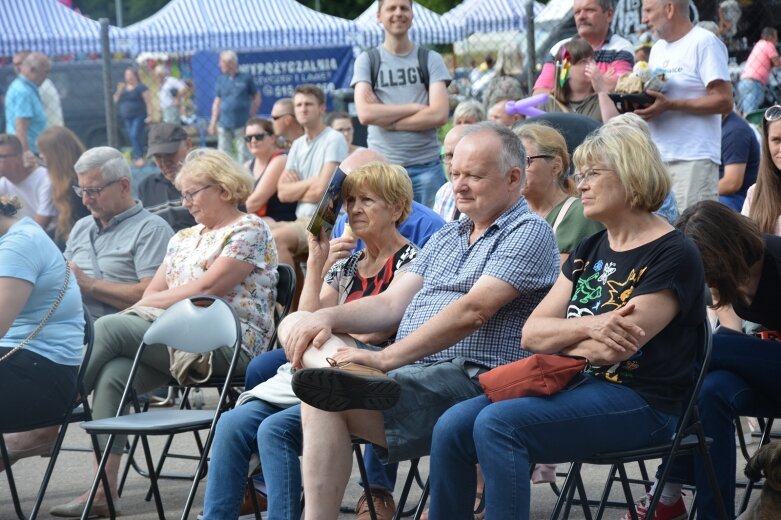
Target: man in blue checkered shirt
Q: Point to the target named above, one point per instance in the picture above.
(459, 310)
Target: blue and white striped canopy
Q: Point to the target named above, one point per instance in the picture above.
(189, 25)
(49, 27)
(427, 27)
(490, 15)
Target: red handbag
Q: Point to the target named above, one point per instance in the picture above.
(538, 374)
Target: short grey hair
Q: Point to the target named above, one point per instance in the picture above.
(469, 108)
(37, 61)
(512, 153)
(606, 4)
(110, 162)
(230, 56)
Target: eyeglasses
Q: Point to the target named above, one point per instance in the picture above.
(773, 113)
(257, 137)
(588, 175)
(93, 192)
(530, 158)
(280, 116)
(190, 196)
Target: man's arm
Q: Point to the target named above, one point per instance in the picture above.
(215, 116)
(433, 116)
(21, 125)
(253, 109)
(371, 111)
(118, 295)
(319, 184)
(291, 188)
(455, 322)
(717, 100)
(363, 316)
(732, 179)
(42, 220)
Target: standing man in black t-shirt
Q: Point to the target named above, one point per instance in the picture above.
(169, 144)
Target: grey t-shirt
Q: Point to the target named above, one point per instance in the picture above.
(131, 247)
(399, 82)
(307, 158)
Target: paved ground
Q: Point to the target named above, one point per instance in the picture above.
(73, 475)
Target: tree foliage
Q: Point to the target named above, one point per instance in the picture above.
(136, 10)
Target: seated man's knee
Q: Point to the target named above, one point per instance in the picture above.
(290, 322)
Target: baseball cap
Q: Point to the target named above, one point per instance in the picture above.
(165, 138)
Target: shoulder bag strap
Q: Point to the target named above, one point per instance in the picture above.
(45, 319)
(563, 212)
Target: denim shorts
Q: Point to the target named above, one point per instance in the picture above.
(427, 391)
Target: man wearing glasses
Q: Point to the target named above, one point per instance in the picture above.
(286, 127)
(169, 144)
(29, 182)
(115, 251)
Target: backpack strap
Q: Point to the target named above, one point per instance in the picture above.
(374, 65)
(423, 65)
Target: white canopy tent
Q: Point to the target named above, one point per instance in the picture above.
(428, 27)
(49, 27)
(189, 25)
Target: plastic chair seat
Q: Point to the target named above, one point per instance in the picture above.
(155, 422)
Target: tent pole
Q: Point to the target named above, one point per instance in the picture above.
(105, 49)
(530, 51)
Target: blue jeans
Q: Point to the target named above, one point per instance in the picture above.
(751, 95)
(426, 180)
(507, 437)
(135, 129)
(265, 366)
(274, 433)
(742, 378)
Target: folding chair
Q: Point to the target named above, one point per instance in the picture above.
(689, 438)
(199, 324)
(286, 288)
(286, 291)
(79, 412)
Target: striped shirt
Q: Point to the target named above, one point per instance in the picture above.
(518, 248)
(615, 52)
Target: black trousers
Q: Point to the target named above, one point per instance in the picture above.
(33, 389)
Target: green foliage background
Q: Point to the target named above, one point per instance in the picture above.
(136, 10)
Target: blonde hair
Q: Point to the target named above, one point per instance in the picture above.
(62, 149)
(215, 167)
(550, 142)
(388, 181)
(635, 159)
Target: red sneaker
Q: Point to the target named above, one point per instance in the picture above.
(677, 511)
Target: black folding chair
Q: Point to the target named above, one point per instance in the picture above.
(286, 291)
(80, 411)
(689, 439)
(200, 324)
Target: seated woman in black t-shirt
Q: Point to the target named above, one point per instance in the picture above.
(630, 300)
(743, 270)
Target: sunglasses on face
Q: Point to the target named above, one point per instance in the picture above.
(280, 116)
(257, 137)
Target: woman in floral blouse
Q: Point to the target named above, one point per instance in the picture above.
(227, 253)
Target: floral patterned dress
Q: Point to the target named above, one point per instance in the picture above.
(193, 250)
